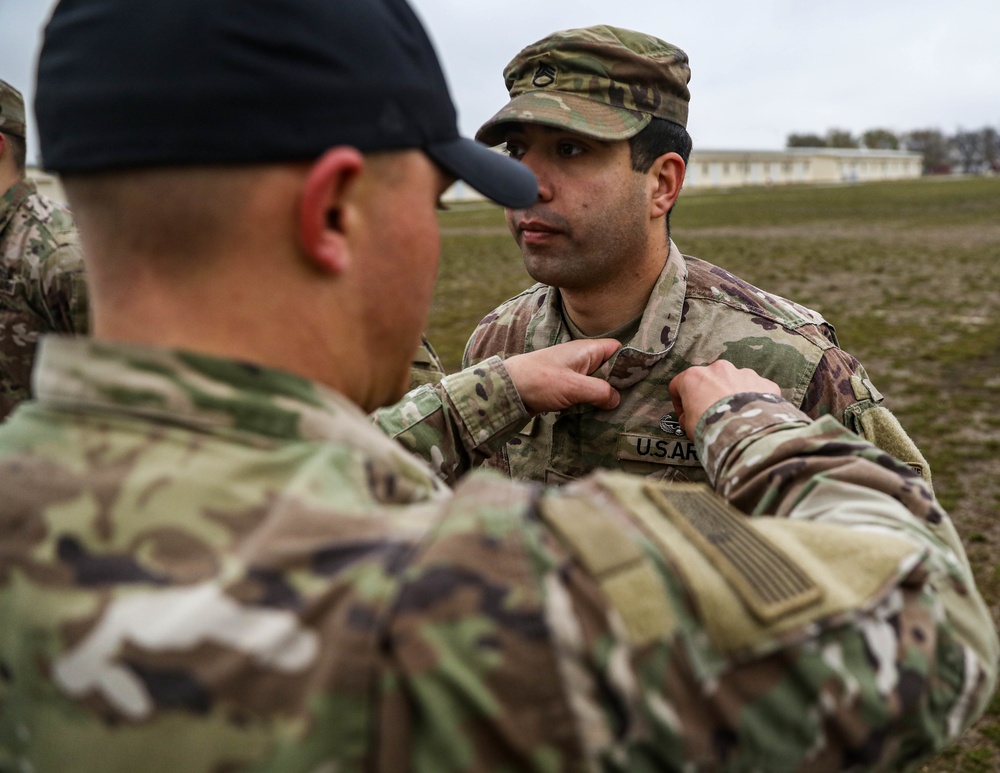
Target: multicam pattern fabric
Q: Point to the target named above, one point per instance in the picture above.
(210, 566)
(426, 367)
(697, 313)
(42, 286)
(460, 422)
(604, 82)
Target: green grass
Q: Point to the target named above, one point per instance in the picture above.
(908, 273)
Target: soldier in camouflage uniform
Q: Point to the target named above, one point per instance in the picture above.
(41, 267)
(211, 561)
(599, 115)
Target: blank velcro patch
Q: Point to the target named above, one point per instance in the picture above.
(767, 580)
(883, 429)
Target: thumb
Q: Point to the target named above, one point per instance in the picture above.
(593, 391)
(593, 353)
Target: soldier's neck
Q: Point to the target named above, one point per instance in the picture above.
(596, 311)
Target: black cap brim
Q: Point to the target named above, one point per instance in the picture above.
(498, 177)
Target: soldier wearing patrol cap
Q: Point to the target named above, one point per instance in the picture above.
(211, 561)
(600, 115)
(42, 286)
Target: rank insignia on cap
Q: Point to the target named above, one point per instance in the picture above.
(545, 75)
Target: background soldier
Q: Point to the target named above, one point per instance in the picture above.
(41, 269)
(599, 114)
(211, 560)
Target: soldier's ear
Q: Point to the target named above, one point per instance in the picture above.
(666, 177)
(325, 194)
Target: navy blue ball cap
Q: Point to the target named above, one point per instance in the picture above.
(126, 84)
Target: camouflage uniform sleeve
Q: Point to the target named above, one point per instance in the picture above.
(841, 387)
(460, 422)
(767, 458)
(65, 290)
(60, 294)
(844, 631)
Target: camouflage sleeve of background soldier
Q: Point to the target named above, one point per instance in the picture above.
(63, 286)
(841, 387)
(458, 423)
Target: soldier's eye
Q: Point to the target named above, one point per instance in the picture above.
(514, 149)
(570, 149)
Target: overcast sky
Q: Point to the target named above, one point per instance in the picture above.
(760, 70)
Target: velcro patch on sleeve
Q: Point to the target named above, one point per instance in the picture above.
(769, 582)
(755, 581)
(882, 428)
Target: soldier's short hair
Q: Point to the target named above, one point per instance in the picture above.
(18, 150)
(659, 137)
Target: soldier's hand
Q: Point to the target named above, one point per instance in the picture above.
(555, 378)
(696, 389)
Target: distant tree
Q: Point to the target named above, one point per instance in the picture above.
(840, 138)
(805, 141)
(968, 147)
(880, 139)
(934, 146)
(991, 148)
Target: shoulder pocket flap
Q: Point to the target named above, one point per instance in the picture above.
(617, 563)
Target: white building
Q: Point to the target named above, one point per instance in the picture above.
(735, 168)
(728, 169)
(48, 184)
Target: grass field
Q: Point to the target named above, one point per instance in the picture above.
(908, 273)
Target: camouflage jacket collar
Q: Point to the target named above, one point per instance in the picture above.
(207, 393)
(651, 343)
(11, 201)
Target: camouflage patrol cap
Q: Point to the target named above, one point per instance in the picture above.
(11, 110)
(603, 82)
